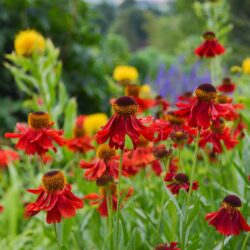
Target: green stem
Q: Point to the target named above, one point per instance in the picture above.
(222, 243)
(110, 214)
(190, 187)
(57, 238)
(245, 242)
(118, 200)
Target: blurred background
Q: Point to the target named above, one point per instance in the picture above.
(156, 36)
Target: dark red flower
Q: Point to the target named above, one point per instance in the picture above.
(210, 47)
(239, 131)
(1, 208)
(106, 163)
(101, 199)
(227, 86)
(228, 219)
(217, 134)
(203, 109)
(133, 90)
(55, 197)
(81, 142)
(7, 156)
(124, 122)
(186, 96)
(38, 136)
(163, 103)
(179, 181)
(172, 246)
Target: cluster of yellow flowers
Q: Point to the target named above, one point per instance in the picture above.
(125, 74)
(28, 42)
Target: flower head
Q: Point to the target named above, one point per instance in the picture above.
(203, 108)
(227, 86)
(125, 74)
(228, 219)
(37, 136)
(28, 42)
(246, 66)
(122, 123)
(55, 197)
(179, 181)
(101, 199)
(210, 47)
(172, 246)
(7, 156)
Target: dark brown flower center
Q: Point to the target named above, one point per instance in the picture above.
(232, 200)
(182, 178)
(132, 90)
(53, 181)
(226, 81)
(104, 180)
(206, 92)
(105, 152)
(173, 118)
(179, 136)
(125, 105)
(209, 35)
(161, 151)
(79, 132)
(222, 99)
(38, 120)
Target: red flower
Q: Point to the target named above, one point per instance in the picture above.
(179, 181)
(215, 135)
(7, 156)
(228, 220)
(101, 199)
(38, 137)
(172, 246)
(186, 97)
(160, 101)
(1, 208)
(106, 164)
(239, 131)
(122, 123)
(55, 197)
(203, 108)
(227, 86)
(210, 47)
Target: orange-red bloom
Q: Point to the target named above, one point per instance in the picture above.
(122, 123)
(227, 86)
(106, 163)
(55, 197)
(7, 156)
(101, 199)
(172, 246)
(37, 136)
(210, 47)
(179, 181)
(203, 109)
(217, 134)
(228, 219)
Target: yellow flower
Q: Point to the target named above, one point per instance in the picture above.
(246, 66)
(145, 91)
(235, 69)
(125, 74)
(92, 123)
(28, 42)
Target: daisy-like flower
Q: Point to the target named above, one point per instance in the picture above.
(55, 198)
(37, 136)
(124, 122)
(7, 156)
(227, 86)
(125, 74)
(203, 108)
(210, 47)
(179, 181)
(106, 163)
(133, 90)
(81, 142)
(101, 199)
(228, 220)
(172, 246)
(216, 134)
(29, 41)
